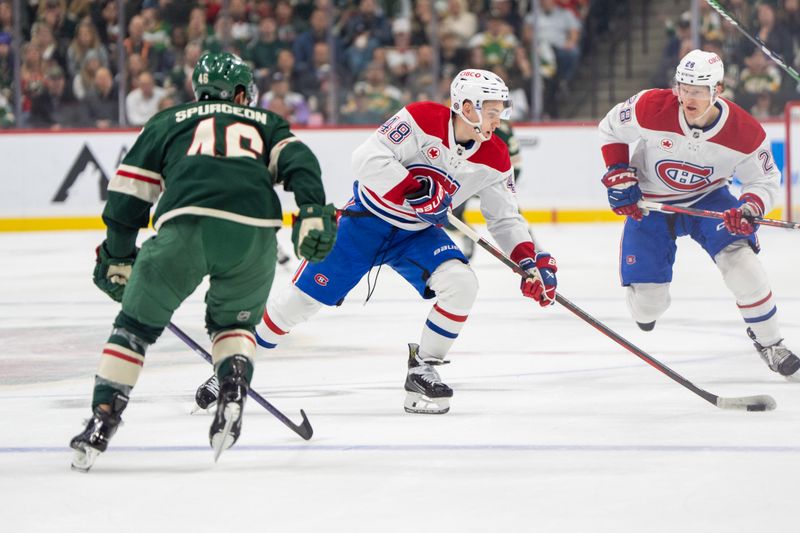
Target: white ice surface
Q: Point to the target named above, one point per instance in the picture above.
(553, 427)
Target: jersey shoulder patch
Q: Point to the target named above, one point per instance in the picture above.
(657, 109)
(494, 154)
(741, 132)
(432, 118)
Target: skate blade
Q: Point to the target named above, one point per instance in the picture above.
(83, 459)
(420, 404)
(197, 409)
(223, 440)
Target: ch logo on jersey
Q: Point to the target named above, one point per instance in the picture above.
(433, 153)
(321, 279)
(683, 176)
(630, 259)
(667, 144)
(442, 178)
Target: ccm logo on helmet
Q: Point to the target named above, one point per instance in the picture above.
(471, 74)
(682, 176)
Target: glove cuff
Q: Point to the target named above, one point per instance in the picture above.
(751, 200)
(120, 244)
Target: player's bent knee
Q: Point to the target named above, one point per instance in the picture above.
(742, 272)
(137, 330)
(291, 307)
(456, 283)
(283, 312)
(647, 301)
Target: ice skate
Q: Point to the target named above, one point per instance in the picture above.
(99, 429)
(426, 394)
(227, 424)
(206, 395)
(777, 356)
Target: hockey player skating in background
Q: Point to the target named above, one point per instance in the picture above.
(211, 166)
(424, 159)
(691, 143)
(504, 132)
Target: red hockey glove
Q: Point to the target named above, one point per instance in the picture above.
(430, 202)
(541, 281)
(739, 220)
(623, 191)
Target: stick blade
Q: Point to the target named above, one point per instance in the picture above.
(760, 402)
(304, 429)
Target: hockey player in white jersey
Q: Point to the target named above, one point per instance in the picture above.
(691, 143)
(409, 173)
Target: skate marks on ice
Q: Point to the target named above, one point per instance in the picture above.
(547, 414)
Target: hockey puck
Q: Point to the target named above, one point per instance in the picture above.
(757, 407)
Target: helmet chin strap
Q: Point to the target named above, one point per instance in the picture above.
(713, 91)
(475, 125)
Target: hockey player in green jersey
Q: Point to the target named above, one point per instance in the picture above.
(211, 165)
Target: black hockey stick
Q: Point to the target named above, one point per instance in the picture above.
(755, 40)
(304, 429)
(761, 402)
(667, 208)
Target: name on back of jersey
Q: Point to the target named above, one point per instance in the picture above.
(209, 109)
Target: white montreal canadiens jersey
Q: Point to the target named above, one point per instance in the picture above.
(419, 141)
(679, 164)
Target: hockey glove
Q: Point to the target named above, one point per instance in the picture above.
(111, 274)
(541, 281)
(314, 232)
(430, 202)
(739, 220)
(623, 191)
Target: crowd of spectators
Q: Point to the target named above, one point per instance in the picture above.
(315, 61)
(752, 80)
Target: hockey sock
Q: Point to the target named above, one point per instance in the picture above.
(120, 364)
(456, 287)
(289, 308)
(745, 277)
(647, 301)
(230, 342)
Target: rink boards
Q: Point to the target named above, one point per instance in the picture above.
(57, 180)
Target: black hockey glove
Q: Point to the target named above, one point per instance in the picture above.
(111, 274)
(314, 232)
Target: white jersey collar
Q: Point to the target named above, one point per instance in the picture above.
(457, 150)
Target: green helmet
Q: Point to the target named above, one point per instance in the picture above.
(217, 75)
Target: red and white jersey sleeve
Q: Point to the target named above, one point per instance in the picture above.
(419, 141)
(507, 226)
(679, 163)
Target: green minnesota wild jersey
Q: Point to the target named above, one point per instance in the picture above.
(210, 158)
(506, 134)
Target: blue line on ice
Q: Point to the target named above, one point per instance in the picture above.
(651, 448)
